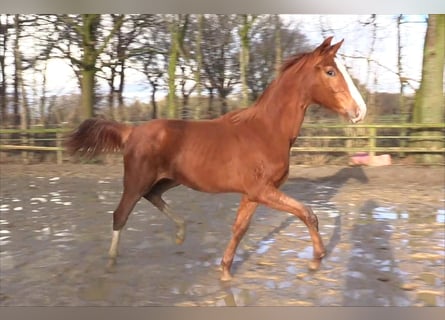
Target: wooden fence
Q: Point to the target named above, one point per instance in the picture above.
(33, 140)
(371, 138)
(335, 139)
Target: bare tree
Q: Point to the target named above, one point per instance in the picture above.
(277, 25)
(21, 110)
(152, 56)
(245, 34)
(82, 40)
(198, 71)
(21, 63)
(124, 45)
(220, 57)
(430, 101)
(178, 27)
(275, 41)
(6, 26)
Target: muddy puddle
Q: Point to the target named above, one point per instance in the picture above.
(384, 236)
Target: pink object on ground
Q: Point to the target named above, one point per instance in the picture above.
(363, 158)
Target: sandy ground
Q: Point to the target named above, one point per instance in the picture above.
(383, 228)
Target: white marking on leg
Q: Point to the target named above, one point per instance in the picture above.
(114, 243)
(353, 90)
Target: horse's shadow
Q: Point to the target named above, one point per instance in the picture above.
(292, 187)
(373, 278)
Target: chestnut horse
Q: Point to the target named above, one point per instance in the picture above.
(245, 151)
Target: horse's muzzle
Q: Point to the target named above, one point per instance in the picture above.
(357, 114)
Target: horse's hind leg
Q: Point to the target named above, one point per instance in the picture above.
(155, 197)
(137, 179)
(120, 216)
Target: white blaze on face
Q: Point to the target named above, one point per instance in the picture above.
(353, 91)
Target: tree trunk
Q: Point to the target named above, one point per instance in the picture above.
(178, 30)
(16, 98)
(171, 98)
(20, 87)
(210, 110)
(88, 72)
(403, 106)
(122, 116)
(154, 112)
(92, 47)
(43, 99)
(17, 73)
(278, 45)
(87, 88)
(111, 93)
(224, 106)
(370, 75)
(430, 101)
(247, 22)
(3, 84)
(199, 67)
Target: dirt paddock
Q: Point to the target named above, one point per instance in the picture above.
(383, 228)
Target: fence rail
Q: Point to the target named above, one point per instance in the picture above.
(322, 138)
(368, 138)
(29, 141)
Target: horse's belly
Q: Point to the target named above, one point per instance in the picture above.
(212, 179)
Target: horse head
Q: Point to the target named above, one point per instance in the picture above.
(330, 84)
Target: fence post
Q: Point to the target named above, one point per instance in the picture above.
(349, 143)
(372, 141)
(24, 140)
(59, 152)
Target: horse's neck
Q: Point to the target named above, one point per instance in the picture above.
(279, 112)
(283, 110)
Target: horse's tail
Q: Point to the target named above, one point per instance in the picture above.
(95, 136)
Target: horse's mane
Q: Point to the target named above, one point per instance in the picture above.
(244, 114)
(288, 64)
(292, 60)
(240, 115)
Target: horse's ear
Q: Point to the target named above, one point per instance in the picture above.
(333, 49)
(326, 44)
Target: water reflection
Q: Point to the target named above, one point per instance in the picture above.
(264, 246)
(236, 297)
(4, 237)
(53, 250)
(440, 217)
(373, 276)
(386, 213)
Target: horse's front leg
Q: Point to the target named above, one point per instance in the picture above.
(274, 198)
(245, 212)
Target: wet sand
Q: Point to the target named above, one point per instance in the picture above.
(383, 228)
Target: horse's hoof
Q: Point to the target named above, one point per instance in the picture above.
(226, 277)
(111, 264)
(314, 265)
(318, 255)
(180, 235)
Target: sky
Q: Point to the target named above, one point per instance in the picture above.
(358, 41)
(355, 49)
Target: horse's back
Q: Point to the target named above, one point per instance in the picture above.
(201, 154)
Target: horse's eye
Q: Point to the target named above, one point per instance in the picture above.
(330, 73)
